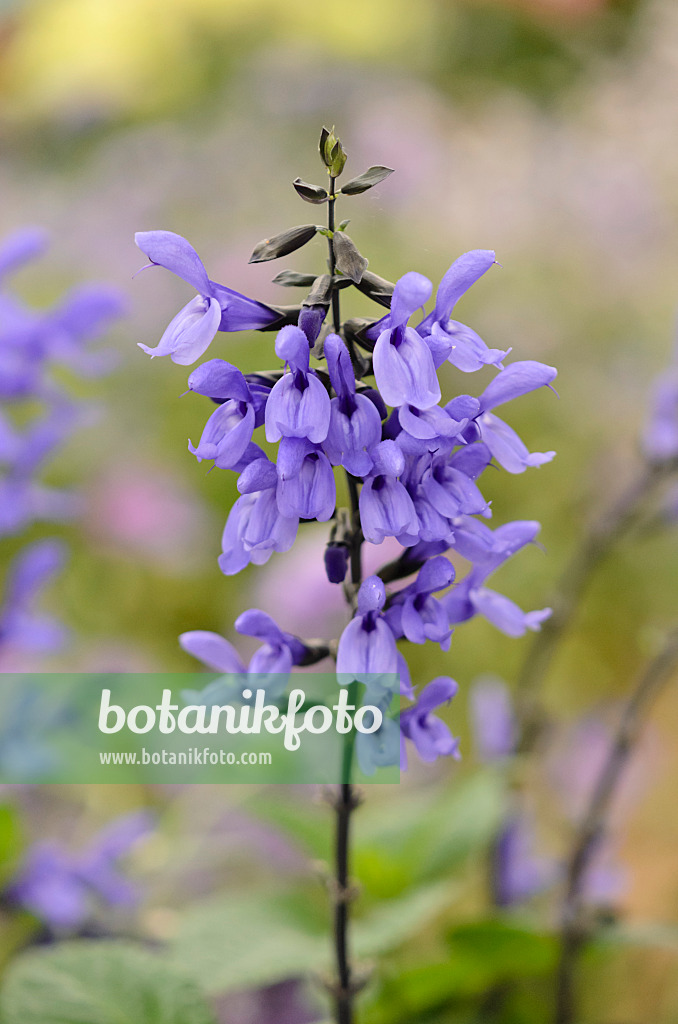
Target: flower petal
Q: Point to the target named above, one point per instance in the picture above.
(171, 251)
(190, 332)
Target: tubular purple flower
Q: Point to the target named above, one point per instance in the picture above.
(227, 434)
(506, 447)
(298, 405)
(492, 719)
(450, 339)
(255, 527)
(305, 486)
(418, 616)
(431, 736)
(355, 423)
(367, 647)
(403, 364)
(215, 308)
(491, 550)
(386, 508)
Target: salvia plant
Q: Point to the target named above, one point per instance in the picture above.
(367, 443)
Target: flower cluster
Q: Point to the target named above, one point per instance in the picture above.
(364, 397)
(33, 342)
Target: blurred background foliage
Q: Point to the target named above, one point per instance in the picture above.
(544, 129)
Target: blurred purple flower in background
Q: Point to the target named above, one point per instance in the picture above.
(63, 888)
(32, 345)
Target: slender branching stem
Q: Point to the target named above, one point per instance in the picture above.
(574, 927)
(603, 534)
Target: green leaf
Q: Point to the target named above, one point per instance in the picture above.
(291, 279)
(11, 841)
(247, 939)
(349, 260)
(310, 193)
(368, 179)
(283, 244)
(99, 983)
(257, 938)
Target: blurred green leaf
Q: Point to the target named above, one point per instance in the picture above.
(11, 841)
(247, 939)
(99, 983)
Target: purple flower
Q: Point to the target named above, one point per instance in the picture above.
(386, 508)
(506, 447)
(450, 339)
(471, 596)
(367, 647)
(298, 405)
(21, 247)
(494, 727)
(215, 308)
(403, 364)
(355, 422)
(660, 437)
(414, 612)
(305, 487)
(63, 888)
(20, 626)
(430, 736)
(255, 527)
(519, 872)
(270, 665)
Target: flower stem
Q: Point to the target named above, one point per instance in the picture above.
(336, 315)
(603, 534)
(346, 800)
(574, 930)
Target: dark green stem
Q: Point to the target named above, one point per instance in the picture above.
(336, 314)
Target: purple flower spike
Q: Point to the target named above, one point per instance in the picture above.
(367, 647)
(298, 405)
(215, 308)
(430, 736)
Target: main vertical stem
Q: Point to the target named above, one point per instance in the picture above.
(345, 801)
